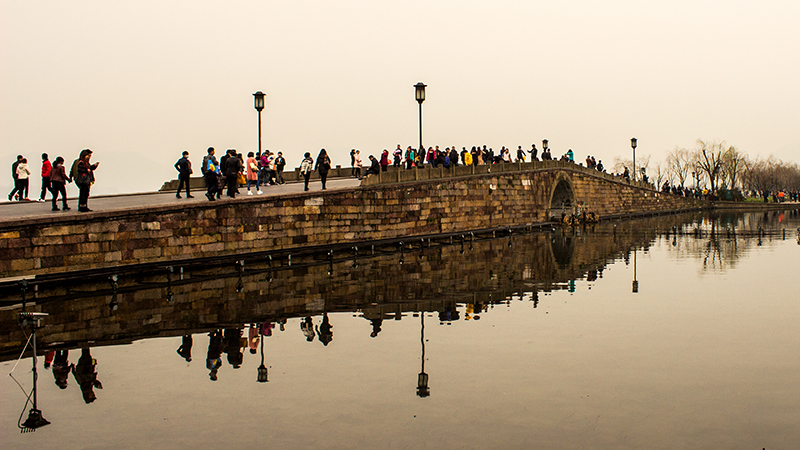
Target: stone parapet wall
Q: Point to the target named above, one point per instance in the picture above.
(230, 227)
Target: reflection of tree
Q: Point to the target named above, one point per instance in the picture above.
(720, 241)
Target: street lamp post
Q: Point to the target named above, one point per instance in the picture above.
(419, 94)
(258, 98)
(633, 146)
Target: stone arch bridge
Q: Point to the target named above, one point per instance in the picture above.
(396, 205)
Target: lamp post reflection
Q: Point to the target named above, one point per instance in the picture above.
(263, 373)
(422, 380)
(35, 419)
(635, 285)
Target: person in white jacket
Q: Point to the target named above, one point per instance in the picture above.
(23, 175)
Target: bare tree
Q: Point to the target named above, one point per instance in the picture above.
(642, 162)
(732, 167)
(661, 174)
(760, 175)
(678, 163)
(709, 160)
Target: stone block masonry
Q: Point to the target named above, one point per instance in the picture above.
(382, 211)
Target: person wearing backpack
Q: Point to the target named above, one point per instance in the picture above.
(306, 168)
(84, 178)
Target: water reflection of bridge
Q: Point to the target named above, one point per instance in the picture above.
(432, 276)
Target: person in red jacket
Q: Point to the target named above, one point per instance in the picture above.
(46, 169)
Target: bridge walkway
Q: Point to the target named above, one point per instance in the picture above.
(11, 212)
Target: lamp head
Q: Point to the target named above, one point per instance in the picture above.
(419, 92)
(258, 98)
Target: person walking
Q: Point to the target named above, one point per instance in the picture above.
(184, 167)
(232, 169)
(323, 166)
(305, 168)
(520, 154)
(252, 174)
(84, 178)
(23, 177)
(212, 175)
(210, 171)
(280, 164)
(58, 183)
(209, 156)
(15, 191)
(46, 168)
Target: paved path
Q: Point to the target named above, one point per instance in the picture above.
(10, 211)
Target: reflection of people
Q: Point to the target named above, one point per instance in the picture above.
(252, 338)
(61, 368)
(376, 327)
(232, 348)
(185, 350)
(48, 358)
(213, 360)
(324, 330)
(86, 376)
(307, 326)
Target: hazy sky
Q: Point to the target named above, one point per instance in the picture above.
(139, 82)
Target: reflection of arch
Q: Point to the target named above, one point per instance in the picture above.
(562, 198)
(562, 248)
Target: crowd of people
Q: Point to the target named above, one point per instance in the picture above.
(55, 179)
(259, 170)
(451, 156)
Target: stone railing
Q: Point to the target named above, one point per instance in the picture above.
(427, 173)
(290, 176)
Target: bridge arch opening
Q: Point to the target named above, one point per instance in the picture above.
(562, 200)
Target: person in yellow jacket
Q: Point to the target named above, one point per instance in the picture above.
(467, 159)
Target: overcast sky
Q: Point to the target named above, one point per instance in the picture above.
(139, 82)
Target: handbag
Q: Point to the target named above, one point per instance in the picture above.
(241, 179)
(83, 179)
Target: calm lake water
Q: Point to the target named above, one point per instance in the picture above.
(527, 341)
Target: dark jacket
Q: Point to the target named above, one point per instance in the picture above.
(184, 166)
(85, 175)
(323, 165)
(233, 166)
